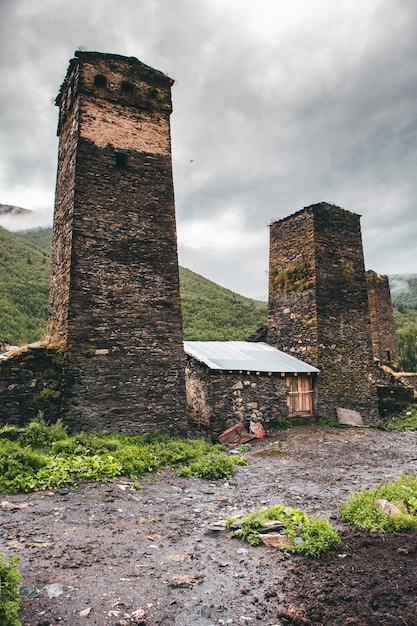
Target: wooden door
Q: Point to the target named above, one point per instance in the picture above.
(300, 395)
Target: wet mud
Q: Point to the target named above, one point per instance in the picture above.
(112, 554)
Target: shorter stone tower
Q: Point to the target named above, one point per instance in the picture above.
(382, 319)
(114, 300)
(318, 305)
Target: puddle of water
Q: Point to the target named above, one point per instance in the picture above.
(270, 452)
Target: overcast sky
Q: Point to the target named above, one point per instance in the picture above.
(278, 104)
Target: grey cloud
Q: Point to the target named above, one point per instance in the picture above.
(324, 109)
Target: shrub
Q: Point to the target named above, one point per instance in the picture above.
(40, 434)
(406, 420)
(360, 509)
(311, 537)
(9, 591)
(45, 456)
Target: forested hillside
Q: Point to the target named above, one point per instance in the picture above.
(404, 291)
(210, 312)
(24, 283)
(40, 237)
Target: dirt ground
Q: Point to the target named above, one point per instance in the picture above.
(107, 554)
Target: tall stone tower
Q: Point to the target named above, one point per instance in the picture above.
(318, 304)
(382, 319)
(114, 297)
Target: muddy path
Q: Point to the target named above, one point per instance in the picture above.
(110, 554)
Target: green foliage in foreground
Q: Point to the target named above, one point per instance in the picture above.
(9, 591)
(360, 509)
(406, 420)
(311, 537)
(45, 457)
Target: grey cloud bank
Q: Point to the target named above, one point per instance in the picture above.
(278, 104)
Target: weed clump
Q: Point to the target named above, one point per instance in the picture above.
(406, 420)
(362, 511)
(44, 456)
(311, 537)
(9, 591)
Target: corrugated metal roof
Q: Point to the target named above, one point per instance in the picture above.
(245, 356)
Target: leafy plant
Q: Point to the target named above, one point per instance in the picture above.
(311, 537)
(9, 591)
(406, 420)
(361, 511)
(212, 466)
(44, 456)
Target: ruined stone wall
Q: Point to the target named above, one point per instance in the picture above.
(217, 400)
(30, 382)
(115, 303)
(382, 319)
(318, 304)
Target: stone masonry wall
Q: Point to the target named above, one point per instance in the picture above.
(217, 400)
(115, 304)
(318, 305)
(30, 382)
(292, 309)
(382, 319)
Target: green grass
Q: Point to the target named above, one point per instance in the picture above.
(310, 536)
(9, 591)
(360, 509)
(44, 456)
(406, 420)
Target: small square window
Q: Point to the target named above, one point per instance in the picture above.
(100, 81)
(128, 87)
(121, 160)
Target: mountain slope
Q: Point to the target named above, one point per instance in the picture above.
(210, 312)
(404, 290)
(40, 237)
(24, 281)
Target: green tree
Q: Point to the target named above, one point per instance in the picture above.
(407, 346)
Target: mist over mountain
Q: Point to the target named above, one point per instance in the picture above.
(16, 218)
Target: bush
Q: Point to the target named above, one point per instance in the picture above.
(9, 591)
(44, 456)
(311, 537)
(406, 420)
(360, 509)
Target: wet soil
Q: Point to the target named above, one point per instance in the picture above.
(110, 554)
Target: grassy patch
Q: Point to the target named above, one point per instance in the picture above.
(361, 511)
(44, 456)
(9, 591)
(311, 537)
(406, 420)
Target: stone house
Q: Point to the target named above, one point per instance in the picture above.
(239, 381)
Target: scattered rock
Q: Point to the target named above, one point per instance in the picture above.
(28, 592)
(271, 526)
(85, 612)
(235, 434)
(257, 430)
(387, 508)
(54, 590)
(275, 540)
(10, 506)
(347, 417)
(186, 581)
